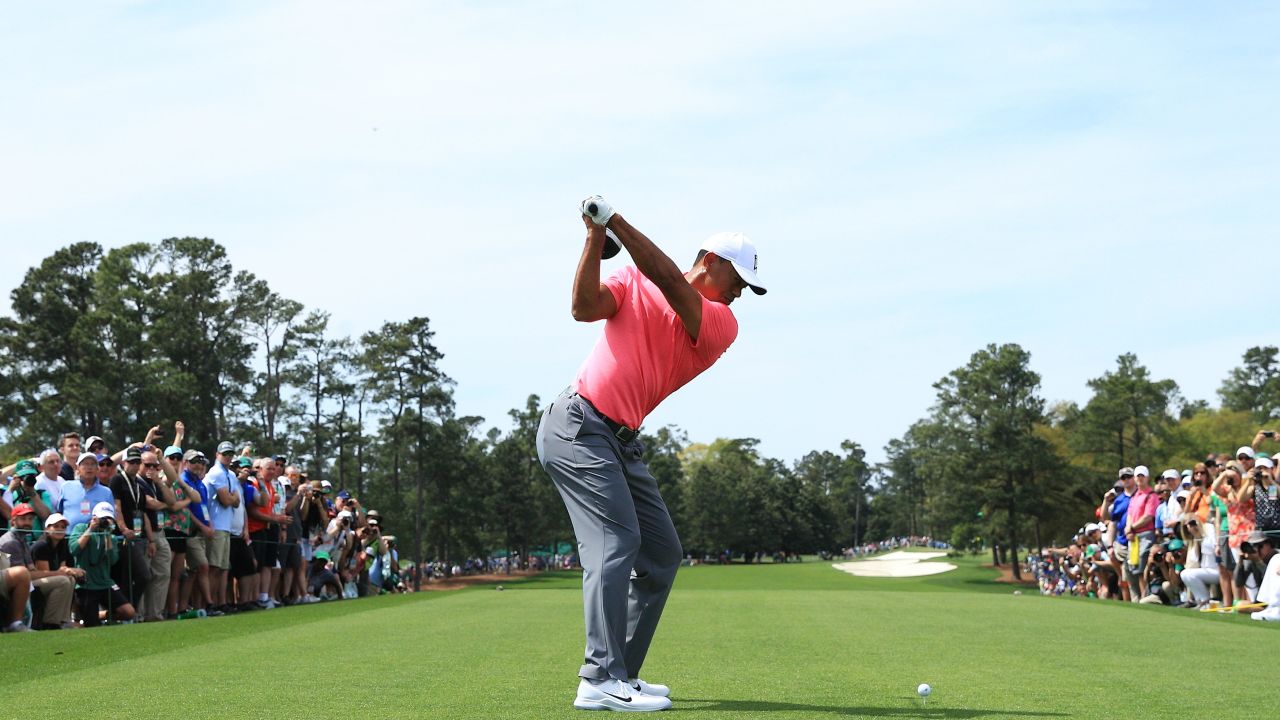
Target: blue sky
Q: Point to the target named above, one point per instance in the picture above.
(1085, 179)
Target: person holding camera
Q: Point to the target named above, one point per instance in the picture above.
(1220, 516)
(1204, 538)
(22, 489)
(1263, 546)
(1240, 516)
(244, 567)
(1115, 508)
(96, 549)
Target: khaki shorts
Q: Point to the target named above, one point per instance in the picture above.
(4, 569)
(218, 550)
(197, 554)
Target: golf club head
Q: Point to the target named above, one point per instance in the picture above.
(611, 245)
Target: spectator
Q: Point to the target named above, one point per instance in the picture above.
(132, 571)
(1240, 517)
(1264, 546)
(69, 446)
(224, 494)
(156, 480)
(22, 489)
(49, 481)
(1198, 579)
(54, 588)
(265, 517)
(1115, 511)
(197, 581)
(15, 589)
(1140, 530)
(244, 567)
(293, 586)
(94, 445)
(1220, 495)
(96, 549)
(176, 527)
(1169, 511)
(78, 498)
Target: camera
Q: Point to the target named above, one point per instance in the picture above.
(1268, 434)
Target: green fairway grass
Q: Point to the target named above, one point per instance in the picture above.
(774, 641)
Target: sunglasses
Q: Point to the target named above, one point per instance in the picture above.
(151, 465)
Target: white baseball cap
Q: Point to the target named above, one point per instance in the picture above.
(1246, 451)
(54, 519)
(104, 509)
(1170, 474)
(1264, 463)
(1142, 470)
(741, 252)
(345, 514)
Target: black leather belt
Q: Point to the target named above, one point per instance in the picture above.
(620, 431)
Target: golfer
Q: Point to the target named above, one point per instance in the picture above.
(662, 328)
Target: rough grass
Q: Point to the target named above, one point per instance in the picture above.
(776, 641)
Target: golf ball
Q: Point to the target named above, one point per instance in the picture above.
(924, 690)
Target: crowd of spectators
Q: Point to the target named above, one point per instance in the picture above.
(150, 533)
(1204, 538)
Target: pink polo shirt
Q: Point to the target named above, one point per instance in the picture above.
(1142, 503)
(645, 353)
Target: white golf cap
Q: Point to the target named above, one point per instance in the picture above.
(54, 519)
(104, 509)
(741, 252)
(1246, 451)
(1264, 463)
(1142, 470)
(1170, 475)
(345, 514)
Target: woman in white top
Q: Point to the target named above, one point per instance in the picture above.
(1199, 579)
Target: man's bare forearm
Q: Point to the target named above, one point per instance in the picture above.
(586, 280)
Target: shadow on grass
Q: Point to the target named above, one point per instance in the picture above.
(921, 711)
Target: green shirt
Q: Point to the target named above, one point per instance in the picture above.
(1220, 507)
(95, 558)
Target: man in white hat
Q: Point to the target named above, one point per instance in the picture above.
(663, 327)
(95, 551)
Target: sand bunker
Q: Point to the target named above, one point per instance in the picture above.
(897, 564)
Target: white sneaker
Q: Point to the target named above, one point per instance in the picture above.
(616, 695)
(649, 688)
(1272, 614)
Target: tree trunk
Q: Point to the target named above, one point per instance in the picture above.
(360, 441)
(318, 459)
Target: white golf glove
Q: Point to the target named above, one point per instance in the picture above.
(597, 209)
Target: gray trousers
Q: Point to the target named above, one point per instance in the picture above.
(626, 540)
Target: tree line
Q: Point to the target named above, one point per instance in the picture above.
(112, 342)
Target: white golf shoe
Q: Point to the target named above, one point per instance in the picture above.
(649, 688)
(616, 695)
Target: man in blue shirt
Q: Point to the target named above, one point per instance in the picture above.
(197, 579)
(81, 496)
(1115, 506)
(223, 490)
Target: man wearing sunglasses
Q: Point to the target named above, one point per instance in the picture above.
(132, 570)
(158, 500)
